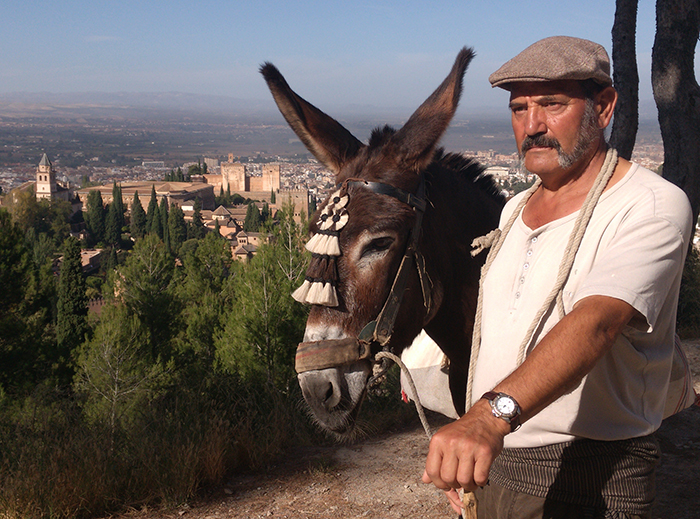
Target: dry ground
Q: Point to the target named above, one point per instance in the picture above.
(380, 479)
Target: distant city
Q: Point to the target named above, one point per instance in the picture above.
(124, 141)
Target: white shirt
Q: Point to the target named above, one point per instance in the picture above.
(633, 249)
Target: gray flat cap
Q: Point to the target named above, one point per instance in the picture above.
(556, 58)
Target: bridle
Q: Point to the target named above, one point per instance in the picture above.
(317, 355)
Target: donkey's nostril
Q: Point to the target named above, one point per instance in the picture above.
(332, 396)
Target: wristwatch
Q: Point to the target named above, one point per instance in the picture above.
(504, 407)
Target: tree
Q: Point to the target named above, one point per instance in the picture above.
(71, 320)
(114, 371)
(177, 228)
(112, 228)
(196, 228)
(14, 275)
(156, 222)
(677, 93)
(207, 270)
(261, 332)
(144, 284)
(625, 78)
(152, 209)
(138, 218)
(95, 216)
(118, 202)
(252, 218)
(163, 210)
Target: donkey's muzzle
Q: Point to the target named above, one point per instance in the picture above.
(330, 354)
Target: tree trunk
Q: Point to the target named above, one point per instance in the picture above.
(677, 93)
(625, 78)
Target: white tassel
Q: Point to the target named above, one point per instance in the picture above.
(329, 296)
(332, 246)
(314, 296)
(313, 244)
(300, 294)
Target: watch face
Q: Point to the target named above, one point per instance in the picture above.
(505, 406)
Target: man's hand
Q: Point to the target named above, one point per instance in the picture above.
(461, 453)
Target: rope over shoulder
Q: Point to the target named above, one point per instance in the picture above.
(584, 217)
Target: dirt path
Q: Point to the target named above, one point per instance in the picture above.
(380, 479)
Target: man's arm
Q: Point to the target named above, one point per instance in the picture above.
(461, 453)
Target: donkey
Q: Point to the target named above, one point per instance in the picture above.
(390, 248)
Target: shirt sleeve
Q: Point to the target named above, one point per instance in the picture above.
(640, 266)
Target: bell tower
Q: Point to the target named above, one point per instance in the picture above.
(45, 179)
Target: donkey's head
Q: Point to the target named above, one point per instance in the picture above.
(359, 237)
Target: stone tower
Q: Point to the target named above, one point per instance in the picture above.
(46, 186)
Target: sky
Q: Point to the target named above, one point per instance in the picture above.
(387, 53)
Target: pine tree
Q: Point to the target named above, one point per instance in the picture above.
(71, 320)
(273, 197)
(138, 218)
(258, 336)
(147, 291)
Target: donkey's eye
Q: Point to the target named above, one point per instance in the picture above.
(377, 245)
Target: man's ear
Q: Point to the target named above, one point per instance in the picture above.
(606, 100)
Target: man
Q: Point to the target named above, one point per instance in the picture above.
(567, 432)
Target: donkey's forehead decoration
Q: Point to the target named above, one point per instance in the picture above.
(321, 277)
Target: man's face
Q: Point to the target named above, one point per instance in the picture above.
(555, 126)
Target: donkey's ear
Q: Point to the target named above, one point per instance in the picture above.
(325, 137)
(417, 140)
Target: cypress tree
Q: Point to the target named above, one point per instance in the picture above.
(118, 202)
(252, 218)
(163, 210)
(95, 216)
(177, 228)
(196, 228)
(138, 218)
(112, 227)
(152, 209)
(156, 226)
(71, 323)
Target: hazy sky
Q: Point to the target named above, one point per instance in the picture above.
(377, 52)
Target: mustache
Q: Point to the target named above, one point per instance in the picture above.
(539, 141)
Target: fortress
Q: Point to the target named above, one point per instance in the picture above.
(234, 178)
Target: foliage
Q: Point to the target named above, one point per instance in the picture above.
(49, 217)
(95, 217)
(260, 337)
(26, 308)
(252, 218)
(138, 218)
(114, 372)
(163, 211)
(152, 209)
(144, 284)
(71, 323)
(177, 228)
(196, 229)
(167, 396)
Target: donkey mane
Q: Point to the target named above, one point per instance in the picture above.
(470, 171)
